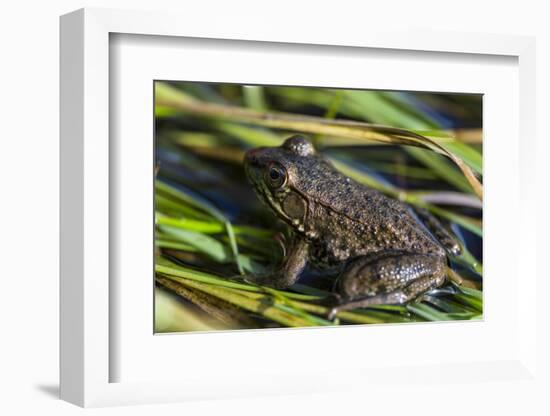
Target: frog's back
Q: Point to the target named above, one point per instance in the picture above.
(361, 219)
(339, 193)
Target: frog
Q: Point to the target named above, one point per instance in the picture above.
(378, 248)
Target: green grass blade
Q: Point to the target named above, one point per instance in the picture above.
(167, 267)
(467, 153)
(209, 208)
(201, 242)
(263, 306)
(427, 312)
(438, 164)
(254, 97)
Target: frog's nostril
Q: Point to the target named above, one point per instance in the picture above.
(251, 156)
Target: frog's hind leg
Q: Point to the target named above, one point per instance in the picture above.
(394, 278)
(444, 236)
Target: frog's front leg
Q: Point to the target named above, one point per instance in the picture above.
(295, 260)
(387, 278)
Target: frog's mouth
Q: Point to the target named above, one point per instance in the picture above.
(254, 175)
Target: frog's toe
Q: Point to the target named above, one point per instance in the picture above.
(331, 303)
(332, 313)
(445, 290)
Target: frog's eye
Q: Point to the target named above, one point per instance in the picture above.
(275, 175)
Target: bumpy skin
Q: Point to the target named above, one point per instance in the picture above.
(377, 246)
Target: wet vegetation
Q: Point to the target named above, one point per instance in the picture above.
(422, 148)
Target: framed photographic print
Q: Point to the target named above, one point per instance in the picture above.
(240, 208)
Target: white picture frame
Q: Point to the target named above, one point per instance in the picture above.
(87, 357)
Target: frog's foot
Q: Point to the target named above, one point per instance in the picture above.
(288, 272)
(332, 301)
(395, 279)
(281, 240)
(260, 279)
(347, 304)
(397, 297)
(263, 279)
(446, 290)
(274, 280)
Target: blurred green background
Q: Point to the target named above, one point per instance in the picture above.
(423, 148)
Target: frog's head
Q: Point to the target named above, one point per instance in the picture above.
(281, 177)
